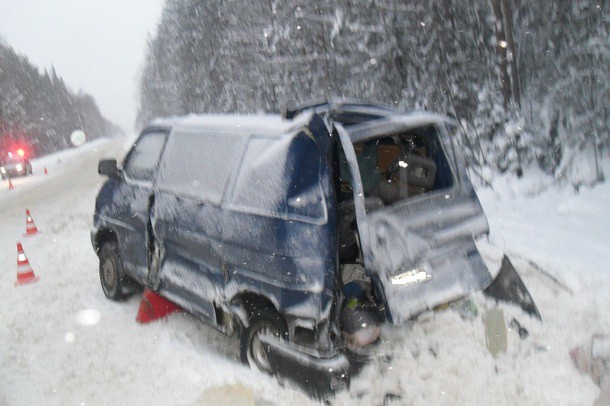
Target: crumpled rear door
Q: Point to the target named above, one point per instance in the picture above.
(423, 253)
(420, 252)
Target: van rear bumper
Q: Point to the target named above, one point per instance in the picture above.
(319, 376)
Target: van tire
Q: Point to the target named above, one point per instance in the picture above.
(112, 275)
(262, 320)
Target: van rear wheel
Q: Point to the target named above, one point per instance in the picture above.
(263, 321)
(112, 276)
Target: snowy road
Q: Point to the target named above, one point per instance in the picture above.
(63, 343)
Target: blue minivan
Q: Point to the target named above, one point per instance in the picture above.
(302, 234)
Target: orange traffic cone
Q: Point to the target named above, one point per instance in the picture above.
(154, 307)
(25, 274)
(10, 185)
(45, 171)
(30, 227)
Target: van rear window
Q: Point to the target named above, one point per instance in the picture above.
(199, 165)
(399, 166)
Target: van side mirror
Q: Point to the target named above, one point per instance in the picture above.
(108, 167)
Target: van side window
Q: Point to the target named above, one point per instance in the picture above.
(143, 158)
(199, 165)
(281, 178)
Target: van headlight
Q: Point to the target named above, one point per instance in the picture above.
(19, 167)
(419, 274)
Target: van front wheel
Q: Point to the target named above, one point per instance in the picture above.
(112, 276)
(263, 321)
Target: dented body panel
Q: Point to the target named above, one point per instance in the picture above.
(266, 234)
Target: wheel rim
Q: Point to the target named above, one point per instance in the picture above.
(256, 352)
(109, 273)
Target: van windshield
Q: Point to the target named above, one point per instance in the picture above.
(399, 166)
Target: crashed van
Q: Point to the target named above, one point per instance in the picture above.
(301, 234)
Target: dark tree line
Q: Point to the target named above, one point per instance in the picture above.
(40, 110)
(528, 80)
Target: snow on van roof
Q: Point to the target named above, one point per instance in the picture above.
(269, 123)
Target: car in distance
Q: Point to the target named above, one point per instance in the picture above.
(15, 164)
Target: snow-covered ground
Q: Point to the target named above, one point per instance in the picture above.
(63, 343)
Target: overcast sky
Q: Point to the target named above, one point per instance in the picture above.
(95, 45)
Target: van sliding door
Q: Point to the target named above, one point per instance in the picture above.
(187, 218)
